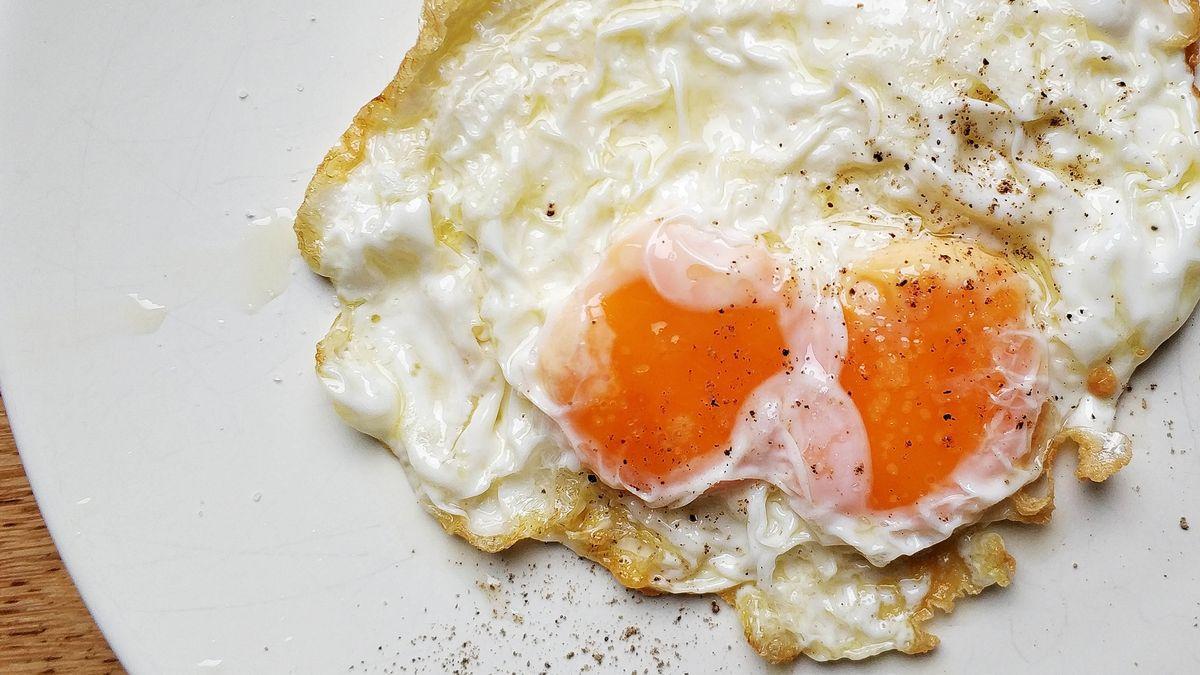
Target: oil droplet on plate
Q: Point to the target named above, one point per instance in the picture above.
(268, 248)
(142, 315)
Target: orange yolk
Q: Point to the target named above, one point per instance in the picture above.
(675, 381)
(925, 328)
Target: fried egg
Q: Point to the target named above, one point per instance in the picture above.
(782, 301)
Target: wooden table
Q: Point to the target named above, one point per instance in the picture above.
(44, 627)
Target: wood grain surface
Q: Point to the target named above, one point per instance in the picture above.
(44, 627)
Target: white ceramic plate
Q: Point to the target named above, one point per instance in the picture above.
(216, 514)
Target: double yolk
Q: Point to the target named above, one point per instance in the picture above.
(931, 326)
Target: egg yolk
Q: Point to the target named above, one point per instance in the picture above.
(674, 383)
(657, 371)
(925, 329)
